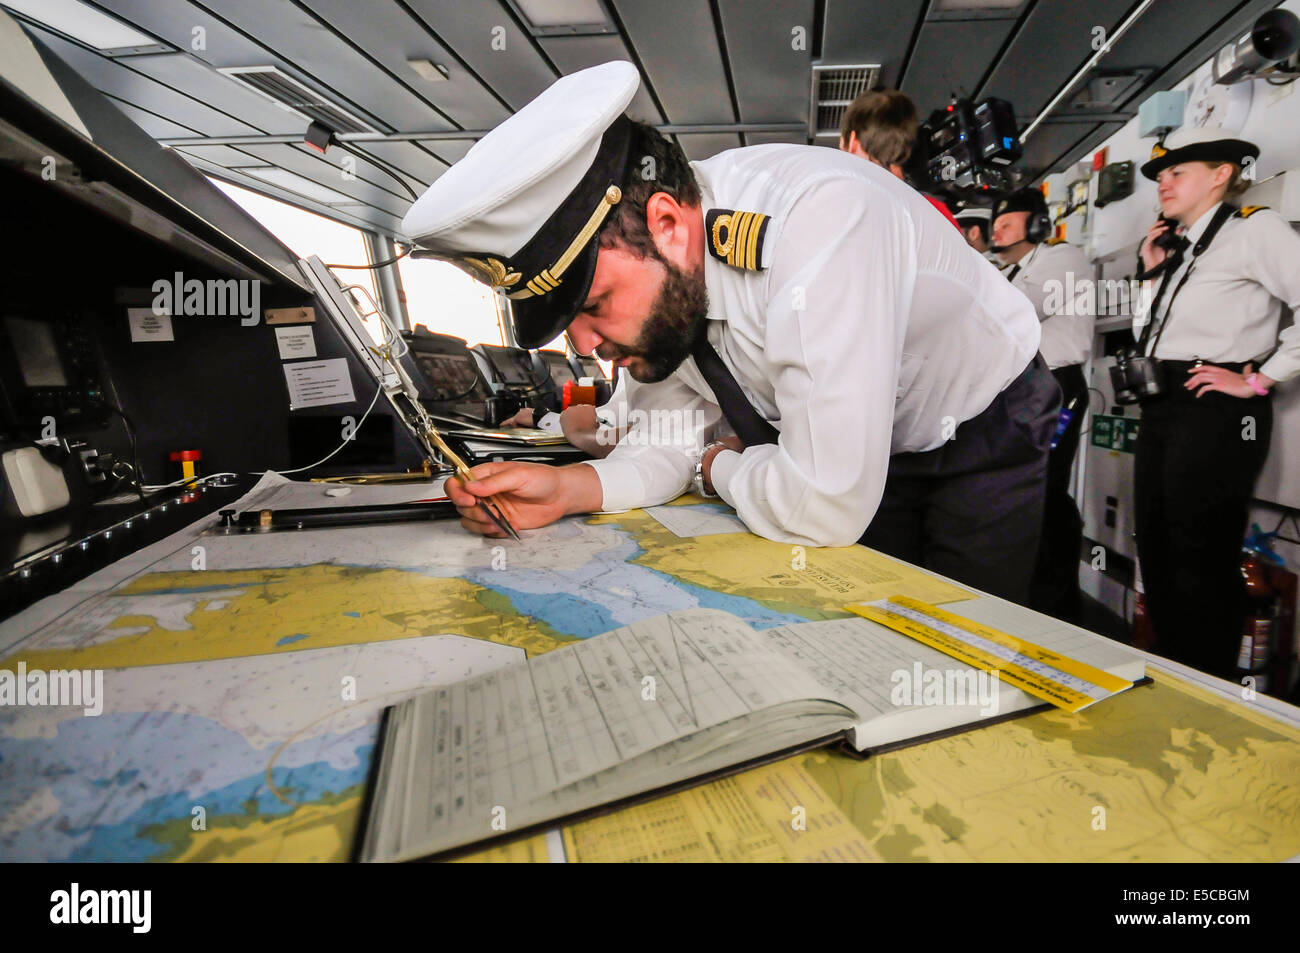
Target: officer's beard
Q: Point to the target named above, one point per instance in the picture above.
(666, 339)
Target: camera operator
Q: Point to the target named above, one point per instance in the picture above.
(1049, 273)
(1207, 415)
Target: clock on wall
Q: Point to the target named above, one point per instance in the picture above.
(1216, 106)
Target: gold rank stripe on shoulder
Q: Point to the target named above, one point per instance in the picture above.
(1247, 211)
(736, 237)
(1056, 241)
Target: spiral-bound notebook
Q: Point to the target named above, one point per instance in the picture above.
(661, 704)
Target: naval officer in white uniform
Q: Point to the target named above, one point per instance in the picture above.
(880, 383)
(1214, 329)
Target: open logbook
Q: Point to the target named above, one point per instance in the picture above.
(658, 704)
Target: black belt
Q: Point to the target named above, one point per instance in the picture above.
(1174, 376)
(1182, 367)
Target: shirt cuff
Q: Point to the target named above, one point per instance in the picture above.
(621, 485)
(1280, 367)
(721, 471)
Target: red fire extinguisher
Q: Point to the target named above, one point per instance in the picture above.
(1260, 637)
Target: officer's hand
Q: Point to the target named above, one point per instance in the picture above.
(579, 420)
(522, 419)
(1151, 255)
(529, 494)
(1228, 382)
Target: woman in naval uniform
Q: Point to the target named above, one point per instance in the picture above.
(1213, 329)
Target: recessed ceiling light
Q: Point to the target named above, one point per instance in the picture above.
(86, 25)
(977, 4)
(552, 17)
(299, 185)
(429, 70)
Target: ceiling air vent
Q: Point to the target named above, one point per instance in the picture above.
(287, 93)
(833, 88)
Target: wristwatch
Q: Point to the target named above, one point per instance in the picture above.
(699, 468)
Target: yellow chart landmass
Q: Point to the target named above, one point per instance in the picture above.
(1114, 783)
(288, 609)
(814, 583)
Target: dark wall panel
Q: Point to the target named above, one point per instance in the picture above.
(124, 84)
(951, 56)
(870, 31)
(667, 35)
(770, 75)
(574, 53)
(390, 36)
(1055, 41)
(512, 65)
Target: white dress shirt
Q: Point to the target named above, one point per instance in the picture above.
(873, 329)
(1053, 278)
(1230, 307)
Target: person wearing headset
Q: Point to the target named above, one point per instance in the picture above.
(1048, 273)
(1212, 327)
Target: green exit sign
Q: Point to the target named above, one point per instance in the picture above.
(1115, 433)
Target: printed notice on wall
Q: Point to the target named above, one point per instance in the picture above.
(314, 383)
(295, 343)
(147, 326)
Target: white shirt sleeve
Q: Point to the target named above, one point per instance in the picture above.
(655, 461)
(839, 295)
(1275, 264)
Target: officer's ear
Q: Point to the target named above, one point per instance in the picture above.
(667, 221)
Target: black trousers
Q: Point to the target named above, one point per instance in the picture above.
(1055, 586)
(972, 509)
(1194, 477)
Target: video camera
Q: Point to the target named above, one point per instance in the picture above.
(967, 148)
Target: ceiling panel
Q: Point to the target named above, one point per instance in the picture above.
(407, 157)
(1054, 42)
(1050, 141)
(332, 63)
(937, 69)
(490, 42)
(155, 126)
(667, 34)
(217, 155)
(358, 216)
(390, 36)
(769, 74)
(124, 84)
(449, 150)
(194, 79)
(573, 53)
(695, 55)
(176, 22)
(1084, 147)
(701, 145)
(870, 31)
(323, 171)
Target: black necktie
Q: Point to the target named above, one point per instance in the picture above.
(748, 423)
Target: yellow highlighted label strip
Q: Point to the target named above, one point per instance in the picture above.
(1030, 667)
